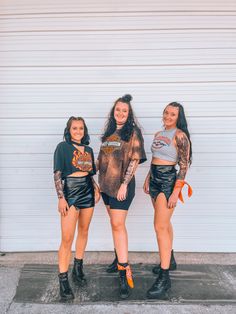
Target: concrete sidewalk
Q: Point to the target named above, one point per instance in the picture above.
(203, 283)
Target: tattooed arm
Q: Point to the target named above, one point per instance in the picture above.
(183, 148)
(122, 192)
(58, 184)
(130, 171)
(63, 207)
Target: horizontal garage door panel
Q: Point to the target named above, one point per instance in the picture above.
(49, 6)
(127, 40)
(121, 75)
(117, 58)
(107, 93)
(118, 21)
(101, 109)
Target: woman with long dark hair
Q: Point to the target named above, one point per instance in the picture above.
(77, 192)
(120, 153)
(170, 146)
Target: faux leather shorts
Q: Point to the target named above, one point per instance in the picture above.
(162, 180)
(115, 204)
(79, 191)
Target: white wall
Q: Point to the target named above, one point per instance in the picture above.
(75, 58)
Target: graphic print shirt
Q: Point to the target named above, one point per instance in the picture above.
(114, 158)
(68, 159)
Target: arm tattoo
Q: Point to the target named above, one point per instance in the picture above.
(130, 171)
(183, 155)
(58, 184)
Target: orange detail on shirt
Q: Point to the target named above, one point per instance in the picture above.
(84, 159)
(111, 148)
(129, 276)
(180, 184)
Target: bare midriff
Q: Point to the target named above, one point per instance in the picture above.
(78, 174)
(161, 162)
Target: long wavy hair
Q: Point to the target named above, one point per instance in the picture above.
(67, 136)
(128, 128)
(182, 124)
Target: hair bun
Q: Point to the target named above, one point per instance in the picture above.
(127, 98)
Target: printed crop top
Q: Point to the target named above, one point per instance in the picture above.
(68, 159)
(163, 147)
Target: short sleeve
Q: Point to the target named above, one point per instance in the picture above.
(137, 147)
(58, 163)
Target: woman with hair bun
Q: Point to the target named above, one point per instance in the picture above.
(170, 146)
(77, 193)
(120, 153)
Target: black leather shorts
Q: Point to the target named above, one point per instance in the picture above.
(79, 192)
(115, 204)
(162, 180)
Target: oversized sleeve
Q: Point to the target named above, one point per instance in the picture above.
(58, 160)
(137, 147)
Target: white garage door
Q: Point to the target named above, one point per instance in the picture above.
(75, 58)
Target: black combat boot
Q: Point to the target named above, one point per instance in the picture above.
(77, 272)
(126, 280)
(112, 268)
(173, 265)
(124, 287)
(160, 286)
(65, 290)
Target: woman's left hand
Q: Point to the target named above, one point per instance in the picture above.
(172, 200)
(122, 192)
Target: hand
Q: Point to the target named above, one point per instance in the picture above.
(172, 200)
(63, 206)
(122, 192)
(97, 194)
(146, 187)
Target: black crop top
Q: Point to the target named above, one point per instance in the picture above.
(68, 159)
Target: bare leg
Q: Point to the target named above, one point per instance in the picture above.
(68, 225)
(85, 216)
(119, 232)
(163, 229)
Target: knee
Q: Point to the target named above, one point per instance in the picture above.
(83, 230)
(161, 228)
(67, 241)
(117, 225)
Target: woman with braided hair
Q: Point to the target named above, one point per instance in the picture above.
(120, 153)
(170, 146)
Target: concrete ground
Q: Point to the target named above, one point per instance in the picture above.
(197, 278)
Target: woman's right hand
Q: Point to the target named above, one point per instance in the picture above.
(146, 186)
(63, 206)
